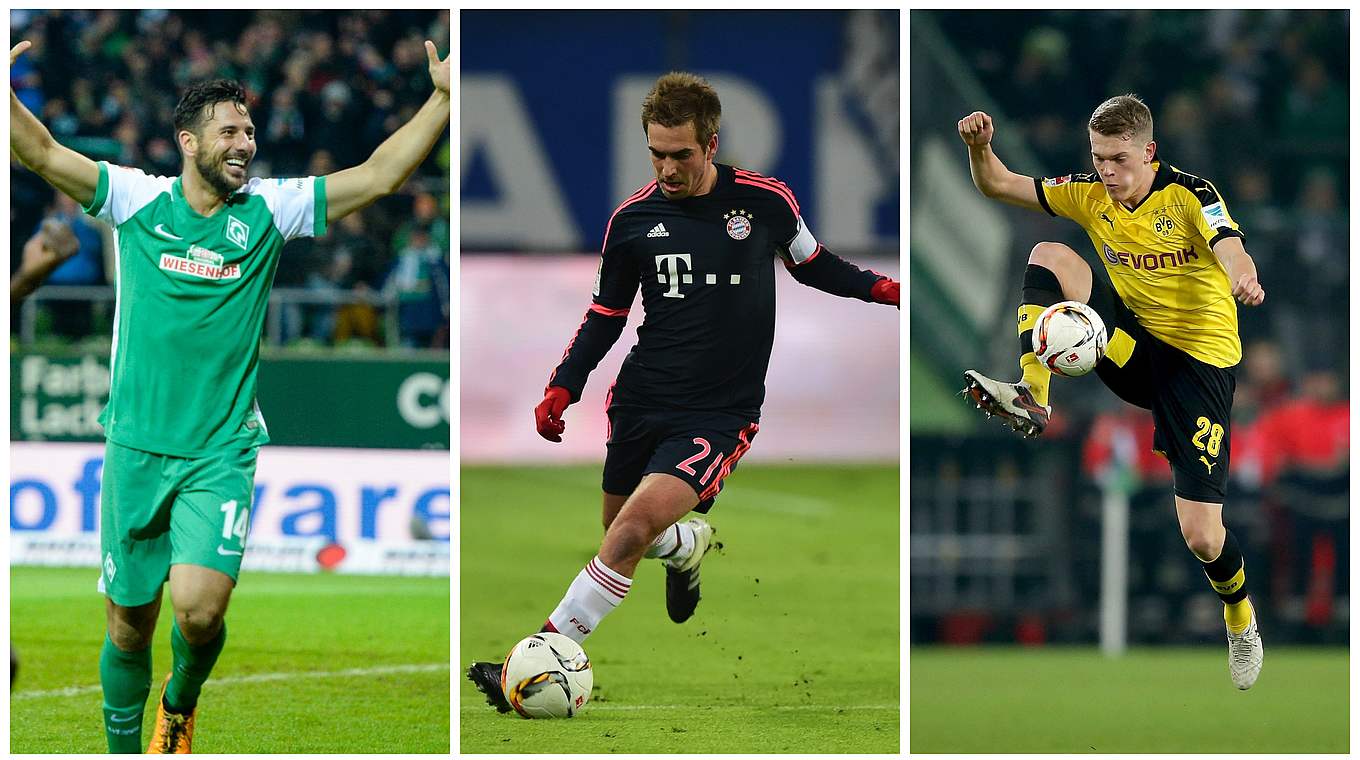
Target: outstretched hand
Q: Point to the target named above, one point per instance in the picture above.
(18, 50)
(887, 291)
(439, 70)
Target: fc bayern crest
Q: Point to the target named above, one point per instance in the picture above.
(738, 224)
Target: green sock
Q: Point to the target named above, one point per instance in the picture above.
(192, 667)
(126, 678)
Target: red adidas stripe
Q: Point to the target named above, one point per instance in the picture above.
(608, 583)
(643, 192)
(744, 445)
(608, 312)
(744, 177)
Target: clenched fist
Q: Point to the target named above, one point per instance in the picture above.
(1248, 291)
(976, 129)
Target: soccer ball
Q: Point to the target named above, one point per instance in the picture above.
(547, 675)
(1069, 338)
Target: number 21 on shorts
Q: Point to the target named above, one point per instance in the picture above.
(704, 449)
(1214, 431)
(235, 522)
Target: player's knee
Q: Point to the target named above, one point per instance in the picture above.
(1204, 541)
(1054, 256)
(200, 624)
(130, 637)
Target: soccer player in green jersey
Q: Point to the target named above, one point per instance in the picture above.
(196, 256)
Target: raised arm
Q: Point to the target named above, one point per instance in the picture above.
(34, 146)
(989, 174)
(386, 170)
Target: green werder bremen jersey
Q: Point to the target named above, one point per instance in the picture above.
(192, 295)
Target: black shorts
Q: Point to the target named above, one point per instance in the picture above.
(1191, 401)
(700, 448)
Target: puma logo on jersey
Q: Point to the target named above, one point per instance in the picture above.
(1108, 219)
(1207, 465)
(160, 230)
(659, 231)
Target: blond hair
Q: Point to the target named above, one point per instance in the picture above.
(1123, 116)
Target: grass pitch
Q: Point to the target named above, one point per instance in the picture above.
(312, 664)
(1073, 700)
(795, 646)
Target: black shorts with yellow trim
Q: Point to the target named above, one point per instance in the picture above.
(1191, 401)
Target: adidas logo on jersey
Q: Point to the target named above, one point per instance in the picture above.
(659, 231)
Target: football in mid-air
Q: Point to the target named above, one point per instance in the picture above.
(1069, 338)
(547, 675)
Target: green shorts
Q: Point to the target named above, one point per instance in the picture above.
(157, 511)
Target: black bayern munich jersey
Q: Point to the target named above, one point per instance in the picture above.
(705, 266)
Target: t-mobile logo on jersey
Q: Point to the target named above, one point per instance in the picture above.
(668, 273)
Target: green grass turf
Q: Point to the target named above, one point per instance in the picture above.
(794, 648)
(991, 700)
(277, 624)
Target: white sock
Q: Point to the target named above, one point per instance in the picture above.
(674, 545)
(595, 593)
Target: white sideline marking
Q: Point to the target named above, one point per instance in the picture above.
(76, 691)
(630, 708)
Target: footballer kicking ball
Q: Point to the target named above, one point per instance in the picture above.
(547, 675)
(1069, 338)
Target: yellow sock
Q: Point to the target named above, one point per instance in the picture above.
(1036, 376)
(1237, 615)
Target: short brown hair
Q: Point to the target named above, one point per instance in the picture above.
(680, 97)
(1123, 116)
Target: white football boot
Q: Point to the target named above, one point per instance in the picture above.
(1012, 402)
(1245, 653)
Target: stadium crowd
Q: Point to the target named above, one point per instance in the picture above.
(324, 88)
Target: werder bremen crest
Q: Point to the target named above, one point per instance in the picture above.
(238, 232)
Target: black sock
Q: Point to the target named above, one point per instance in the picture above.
(1040, 288)
(1227, 572)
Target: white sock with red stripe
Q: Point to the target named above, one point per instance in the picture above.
(674, 545)
(595, 593)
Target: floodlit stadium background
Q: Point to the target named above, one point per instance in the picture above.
(354, 373)
(1006, 535)
(545, 159)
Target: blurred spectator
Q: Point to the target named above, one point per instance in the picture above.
(419, 281)
(44, 252)
(71, 319)
(425, 215)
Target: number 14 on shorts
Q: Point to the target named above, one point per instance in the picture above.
(235, 524)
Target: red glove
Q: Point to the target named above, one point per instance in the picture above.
(548, 413)
(886, 291)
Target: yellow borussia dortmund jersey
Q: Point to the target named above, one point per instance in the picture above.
(1159, 255)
